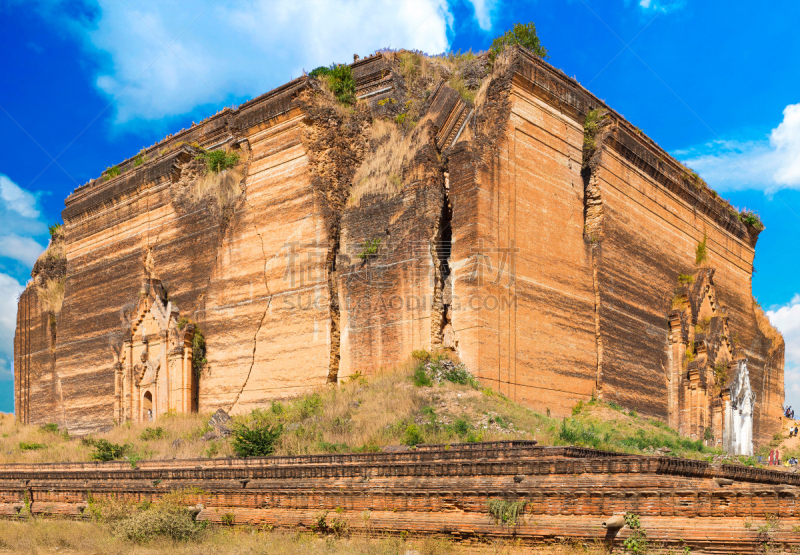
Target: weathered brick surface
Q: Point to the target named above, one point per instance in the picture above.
(550, 277)
(568, 493)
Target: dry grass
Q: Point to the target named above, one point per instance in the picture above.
(224, 187)
(51, 295)
(365, 414)
(382, 171)
(60, 536)
(58, 447)
(51, 291)
(766, 327)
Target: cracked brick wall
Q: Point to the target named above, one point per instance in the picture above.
(553, 278)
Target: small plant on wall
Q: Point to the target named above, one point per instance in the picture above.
(217, 161)
(701, 252)
(199, 359)
(369, 248)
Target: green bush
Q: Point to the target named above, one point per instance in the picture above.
(54, 230)
(420, 377)
(113, 171)
(685, 279)
(152, 433)
(413, 436)
(369, 248)
(107, 451)
(160, 521)
(218, 160)
(462, 427)
(256, 442)
(523, 35)
(340, 81)
(752, 219)
(506, 512)
(52, 428)
(30, 446)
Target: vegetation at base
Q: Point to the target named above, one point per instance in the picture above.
(701, 252)
(217, 161)
(752, 219)
(149, 434)
(30, 446)
(636, 542)
(339, 78)
(506, 512)
(524, 35)
(98, 536)
(255, 442)
(104, 450)
(364, 414)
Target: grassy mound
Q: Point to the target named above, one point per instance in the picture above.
(430, 400)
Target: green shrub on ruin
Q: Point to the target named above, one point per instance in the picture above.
(339, 78)
(685, 279)
(506, 512)
(701, 251)
(258, 441)
(524, 35)
(217, 161)
(107, 451)
(369, 248)
(111, 172)
(164, 520)
(752, 219)
(30, 446)
(413, 436)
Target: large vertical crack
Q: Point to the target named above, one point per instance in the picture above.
(440, 248)
(595, 130)
(333, 300)
(263, 315)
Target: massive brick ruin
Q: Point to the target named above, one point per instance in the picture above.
(534, 231)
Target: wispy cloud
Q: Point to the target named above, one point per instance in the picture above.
(769, 164)
(484, 10)
(160, 59)
(661, 5)
(787, 319)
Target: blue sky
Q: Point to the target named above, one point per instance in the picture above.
(87, 83)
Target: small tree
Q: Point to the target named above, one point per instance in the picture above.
(256, 442)
(522, 34)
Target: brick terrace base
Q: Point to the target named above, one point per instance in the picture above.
(444, 490)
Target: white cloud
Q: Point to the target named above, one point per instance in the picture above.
(483, 12)
(10, 289)
(769, 164)
(225, 51)
(23, 249)
(663, 6)
(787, 319)
(17, 199)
